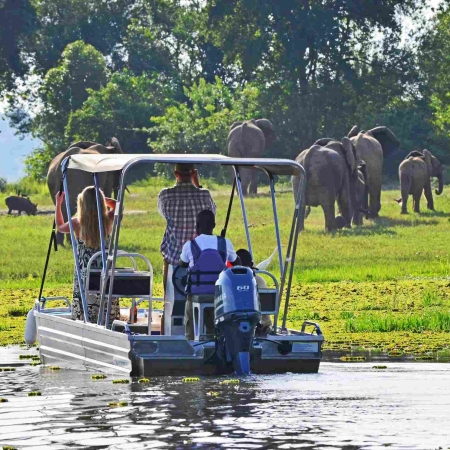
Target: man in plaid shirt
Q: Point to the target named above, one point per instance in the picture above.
(179, 205)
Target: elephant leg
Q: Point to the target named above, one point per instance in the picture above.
(60, 238)
(9, 212)
(330, 218)
(429, 196)
(345, 204)
(253, 182)
(245, 180)
(358, 218)
(404, 202)
(374, 200)
(416, 201)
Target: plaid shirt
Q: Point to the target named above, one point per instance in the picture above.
(180, 205)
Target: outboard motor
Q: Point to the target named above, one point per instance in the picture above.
(236, 314)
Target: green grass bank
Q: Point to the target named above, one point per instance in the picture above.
(383, 284)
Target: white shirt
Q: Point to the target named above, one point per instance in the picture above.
(205, 241)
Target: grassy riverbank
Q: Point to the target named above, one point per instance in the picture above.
(381, 284)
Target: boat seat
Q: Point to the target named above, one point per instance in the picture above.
(127, 283)
(200, 303)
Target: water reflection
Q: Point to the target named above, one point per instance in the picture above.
(347, 406)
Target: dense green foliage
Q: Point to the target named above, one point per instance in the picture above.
(171, 75)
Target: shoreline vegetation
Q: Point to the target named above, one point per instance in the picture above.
(382, 286)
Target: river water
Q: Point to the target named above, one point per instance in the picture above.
(344, 406)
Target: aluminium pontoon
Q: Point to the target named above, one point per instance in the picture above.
(139, 348)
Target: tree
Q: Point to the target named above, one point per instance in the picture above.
(435, 64)
(296, 40)
(201, 124)
(65, 88)
(122, 108)
(18, 23)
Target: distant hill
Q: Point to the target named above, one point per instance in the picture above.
(12, 151)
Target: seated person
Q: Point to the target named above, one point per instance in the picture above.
(205, 253)
(247, 261)
(87, 233)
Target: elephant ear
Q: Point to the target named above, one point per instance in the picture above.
(236, 124)
(323, 141)
(349, 152)
(414, 154)
(386, 138)
(267, 128)
(427, 156)
(353, 132)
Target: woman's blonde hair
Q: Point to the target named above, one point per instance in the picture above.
(88, 217)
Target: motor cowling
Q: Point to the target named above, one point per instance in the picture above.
(236, 313)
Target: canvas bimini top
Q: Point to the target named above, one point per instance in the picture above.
(106, 163)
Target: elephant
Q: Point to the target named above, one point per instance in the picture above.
(78, 180)
(370, 147)
(415, 174)
(249, 139)
(331, 174)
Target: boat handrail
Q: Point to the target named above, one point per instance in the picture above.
(111, 274)
(277, 287)
(44, 300)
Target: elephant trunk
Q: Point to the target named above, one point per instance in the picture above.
(441, 184)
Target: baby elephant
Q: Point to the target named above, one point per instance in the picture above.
(415, 174)
(19, 204)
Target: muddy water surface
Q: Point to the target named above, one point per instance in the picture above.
(345, 406)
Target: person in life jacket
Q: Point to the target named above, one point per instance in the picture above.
(206, 256)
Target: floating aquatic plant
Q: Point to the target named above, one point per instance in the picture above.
(379, 367)
(3, 400)
(190, 379)
(352, 358)
(117, 404)
(123, 381)
(9, 447)
(26, 356)
(231, 381)
(7, 369)
(98, 376)
(54, 368)
(143, 380)
(35, 363)
(34, 394)
(212, 393)
(424, 358)
(395, 353)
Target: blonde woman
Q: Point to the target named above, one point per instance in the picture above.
(86, 228)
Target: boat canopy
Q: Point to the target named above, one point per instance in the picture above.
(105, 163)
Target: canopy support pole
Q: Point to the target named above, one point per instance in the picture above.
(278, 237)
(297, 221)
(244, 213)
(112, 253)
(230, 205)
(74, 242)
(102, 244)
(54, 242)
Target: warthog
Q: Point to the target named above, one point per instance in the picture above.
(19, 204)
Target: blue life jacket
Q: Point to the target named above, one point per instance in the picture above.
(208, 264)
